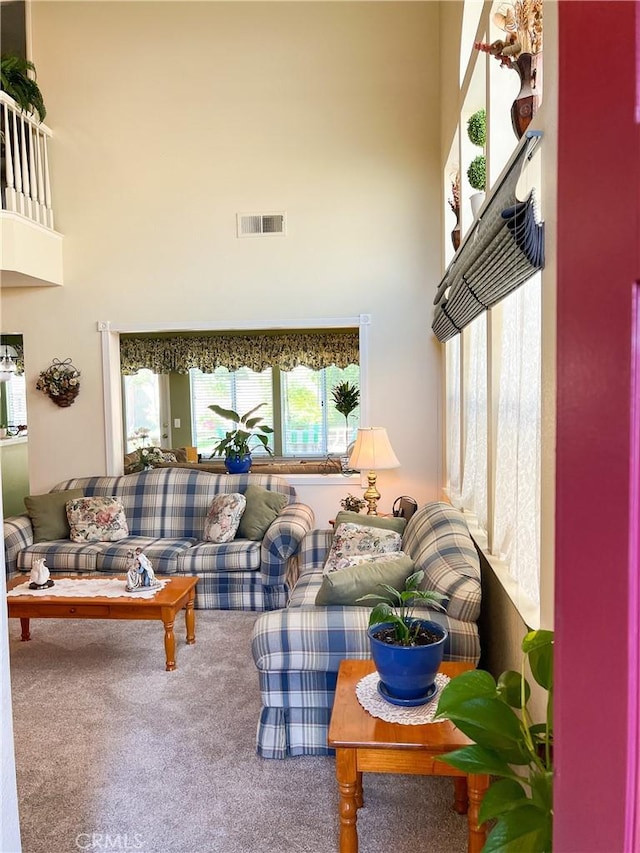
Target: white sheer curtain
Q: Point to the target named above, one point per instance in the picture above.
(452, 350)
(474, 466)
(516, 524)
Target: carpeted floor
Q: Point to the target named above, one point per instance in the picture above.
(114, 753)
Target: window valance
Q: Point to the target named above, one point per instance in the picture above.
(504, 248)
(178, 353)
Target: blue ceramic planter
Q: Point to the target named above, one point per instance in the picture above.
(407, 673)
(238, 464)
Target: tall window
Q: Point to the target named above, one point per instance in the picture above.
(307, 423)
(240, 390)
(474, 477)
(311, 424)
(16, 397)
(142, 409)
(516, 529)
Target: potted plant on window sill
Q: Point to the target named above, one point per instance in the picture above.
(407, 650)
(236, 445)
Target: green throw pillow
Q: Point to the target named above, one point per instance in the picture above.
(263, 507)
(347, 585)
(48, 514)
(397, 524)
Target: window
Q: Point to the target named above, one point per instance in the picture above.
(311, 424)
(307, 423)
(142, 409)
(16, 397)
(240, 390)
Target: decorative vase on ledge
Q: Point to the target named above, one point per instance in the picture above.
(455, 234)
(525, 106)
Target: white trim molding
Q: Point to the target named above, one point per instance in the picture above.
(110, 344)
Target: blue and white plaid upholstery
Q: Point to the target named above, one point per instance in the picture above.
(166, 510)
(298, 650)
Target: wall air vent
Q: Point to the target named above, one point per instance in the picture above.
(260, 224)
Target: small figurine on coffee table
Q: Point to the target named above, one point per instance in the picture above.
(39, 575)
(140, 575)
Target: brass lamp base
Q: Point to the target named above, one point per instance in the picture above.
(372, 495)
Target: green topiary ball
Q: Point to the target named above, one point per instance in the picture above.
(477, 128)
(477, 173)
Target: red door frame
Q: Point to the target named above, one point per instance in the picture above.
(596, 570)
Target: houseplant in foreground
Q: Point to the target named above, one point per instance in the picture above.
(236, 445)
(407, 650)
(521, 801)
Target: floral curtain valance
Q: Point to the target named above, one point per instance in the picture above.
(179, 354)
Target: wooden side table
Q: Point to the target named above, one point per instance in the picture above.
(367, 744)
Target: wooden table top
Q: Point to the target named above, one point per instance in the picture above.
(167, 596)
(353, 727)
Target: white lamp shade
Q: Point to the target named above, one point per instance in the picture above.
(373, 451)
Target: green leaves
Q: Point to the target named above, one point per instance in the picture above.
(495, 716)
(538, 645)
(237, 442)
(397, 606)
(525, 829)
(16, 82)
(345, 397)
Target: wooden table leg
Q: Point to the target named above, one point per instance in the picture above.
(461, 802)
(347, 777)
(24, 625)
(169, 643)
(359, 795)
(477, 784)
(190, 619)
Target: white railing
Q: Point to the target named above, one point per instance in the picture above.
(25, 183)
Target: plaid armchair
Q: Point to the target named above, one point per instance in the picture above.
(298, 650)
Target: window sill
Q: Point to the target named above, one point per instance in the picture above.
(528, 610)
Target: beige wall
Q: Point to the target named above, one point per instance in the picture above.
(171, 117)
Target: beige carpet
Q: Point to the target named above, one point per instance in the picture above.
(114, 753)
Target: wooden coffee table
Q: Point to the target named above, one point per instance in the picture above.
(175, 595)
(367, 744)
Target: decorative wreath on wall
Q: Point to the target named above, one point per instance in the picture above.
(60, 382)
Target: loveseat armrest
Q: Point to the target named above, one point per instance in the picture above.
(310, 639)
(282, 540)
(18, 535)
(314, 550)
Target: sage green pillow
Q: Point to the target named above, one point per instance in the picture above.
(48, 514)
(397, 524)
(348, 585)
(263, 507)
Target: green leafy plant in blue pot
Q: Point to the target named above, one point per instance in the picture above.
(407, 650)
(508, 745)
(237, 444)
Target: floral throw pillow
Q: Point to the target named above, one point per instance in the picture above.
(359, 559)
(96, 520)
(354, 540)
(223, 518)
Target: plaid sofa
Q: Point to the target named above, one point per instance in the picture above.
(166, 510)
(298, 650)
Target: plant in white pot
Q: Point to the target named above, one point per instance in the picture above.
(406, 649)
(477, 171)
(237, 444)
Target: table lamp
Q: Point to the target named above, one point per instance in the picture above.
(372, 452)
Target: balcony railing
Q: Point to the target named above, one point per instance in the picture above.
(24, 178)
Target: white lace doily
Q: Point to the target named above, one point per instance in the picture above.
(372, 701)
(86, 588)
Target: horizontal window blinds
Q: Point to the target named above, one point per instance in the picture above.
(504, 248)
